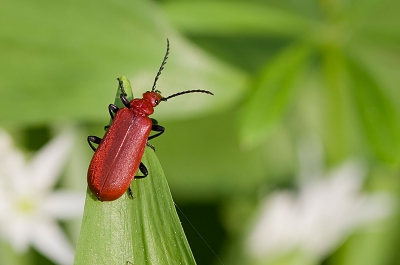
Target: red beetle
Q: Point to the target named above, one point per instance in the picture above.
(119, 154)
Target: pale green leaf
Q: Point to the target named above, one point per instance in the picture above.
(235, 18)
(272, 94)
(377, 115)
(59, 60)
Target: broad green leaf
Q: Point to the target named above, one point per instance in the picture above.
(377, 115)
(272, 93)
(235, 18)
(142, 230)
(58, 60)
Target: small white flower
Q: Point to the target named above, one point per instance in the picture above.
(29, 207)
(320, 216)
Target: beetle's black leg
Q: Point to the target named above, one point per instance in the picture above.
(112, 109)
(123, 98)
(151, 146)
(154, 121)
(130, 193)
(142, 169)
(93, 139)
(158, 128)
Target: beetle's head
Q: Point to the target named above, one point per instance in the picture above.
(153, 97)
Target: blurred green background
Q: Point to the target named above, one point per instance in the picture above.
(281, 71)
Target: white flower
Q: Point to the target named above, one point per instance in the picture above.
(29, 207)
(320, 216)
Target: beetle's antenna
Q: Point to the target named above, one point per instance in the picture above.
(161, 67)
(187, 92)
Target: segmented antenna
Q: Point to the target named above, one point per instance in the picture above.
(161, 67)
(186, 92)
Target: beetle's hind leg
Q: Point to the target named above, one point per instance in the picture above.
(93, 139)
(142, 169)
(130, 193)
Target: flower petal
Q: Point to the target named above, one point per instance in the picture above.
(49, 160)
(49, 240)
(64, 204)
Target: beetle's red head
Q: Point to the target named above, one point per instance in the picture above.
(152, 97)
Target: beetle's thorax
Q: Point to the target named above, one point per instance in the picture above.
(141, 107)
(145, 106)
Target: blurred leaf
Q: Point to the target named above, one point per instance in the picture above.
(375, 21)
(59, 61)
(336, 124)
(204, 162)
(145, 230)
(10, 257)
(273, 91)
(235, 18)
(376, 113)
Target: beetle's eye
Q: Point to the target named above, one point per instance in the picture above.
(156, 102)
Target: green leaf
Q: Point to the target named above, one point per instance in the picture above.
(235, 18)
(272, 94)
(143, 230)
(376, 112)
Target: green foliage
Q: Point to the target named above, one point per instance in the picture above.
(280, 70)
(326, 38)
(58, 61)
(272, 93)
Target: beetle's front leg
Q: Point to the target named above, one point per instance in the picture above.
(122, 96)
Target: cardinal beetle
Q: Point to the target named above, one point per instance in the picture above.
(119, 154)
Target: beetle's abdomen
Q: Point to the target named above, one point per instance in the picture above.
(117, 158)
